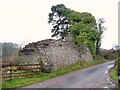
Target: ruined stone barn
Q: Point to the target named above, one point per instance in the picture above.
(57, 53)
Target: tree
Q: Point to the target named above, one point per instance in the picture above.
(81, 25)
(59, 20)
(101, 29)
(62, 18)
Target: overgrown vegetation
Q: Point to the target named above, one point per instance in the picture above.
(17, 82)
(82, 25)
(84, 34)
(114, 72)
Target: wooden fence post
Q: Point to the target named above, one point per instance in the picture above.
(10, 70)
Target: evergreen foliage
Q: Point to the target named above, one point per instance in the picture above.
(82, 25)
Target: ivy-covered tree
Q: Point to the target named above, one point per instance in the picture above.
(83, 17)
(84, 29)
(85, 34)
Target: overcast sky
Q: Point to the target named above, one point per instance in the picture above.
(24, 21)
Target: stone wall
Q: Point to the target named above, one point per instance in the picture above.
(56, 53)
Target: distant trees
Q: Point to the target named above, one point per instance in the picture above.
(9, 49)
(116, 47)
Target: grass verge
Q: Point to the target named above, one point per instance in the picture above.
(113, 72)
(17, 82)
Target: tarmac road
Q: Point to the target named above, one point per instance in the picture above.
(92, 77)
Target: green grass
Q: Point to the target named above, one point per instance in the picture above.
(17, 82)
(113, 73)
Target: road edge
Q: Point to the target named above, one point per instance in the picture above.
(111, 79)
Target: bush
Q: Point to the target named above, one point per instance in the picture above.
(106, 56)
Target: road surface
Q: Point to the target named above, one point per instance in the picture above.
(93, 77)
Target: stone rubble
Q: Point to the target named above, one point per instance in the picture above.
(57, 53)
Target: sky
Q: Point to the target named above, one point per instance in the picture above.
(25, 21)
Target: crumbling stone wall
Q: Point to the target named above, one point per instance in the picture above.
(55, 53)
